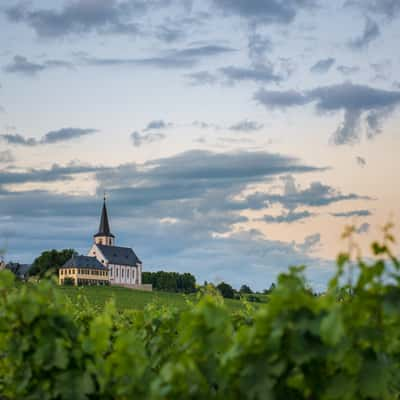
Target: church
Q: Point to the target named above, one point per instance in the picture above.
(105, 264)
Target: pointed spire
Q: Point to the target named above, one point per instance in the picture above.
(104, 227)
(104, 224)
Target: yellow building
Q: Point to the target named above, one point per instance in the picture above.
(83, 270)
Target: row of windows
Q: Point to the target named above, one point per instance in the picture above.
(89, 282)
(122, 273)
(83, 272)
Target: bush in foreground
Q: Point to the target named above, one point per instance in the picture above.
(343, 345)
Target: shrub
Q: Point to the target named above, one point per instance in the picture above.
(226, 290)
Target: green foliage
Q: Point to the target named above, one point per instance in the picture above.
(226, 290)
(344, 344)
(50, 261)
(245, 289)
(170, 281)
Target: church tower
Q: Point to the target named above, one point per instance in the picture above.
(104, 236)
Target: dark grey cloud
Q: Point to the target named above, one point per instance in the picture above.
(347, 70)
(266, 12)
(353, 213)
(280, 99)
(61, 135)
(177, 58)
(356, 101)
(139, 139)
(65, 134)
(323, 66)
(246, 126)
(231, 74)
(371, 32)
(260, 73)
(80, 16)
(21, 65)
(6, 156)
(157, 125)
(56, 173)
(289, 217)
(316, 195)
(361, 161)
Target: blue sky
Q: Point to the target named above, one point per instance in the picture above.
(233, 137)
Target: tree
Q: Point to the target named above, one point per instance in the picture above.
(271, 289)
(245, 289)
(50, 261)
(226, 290)
(170, 281)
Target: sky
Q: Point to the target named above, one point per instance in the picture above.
(234, 138)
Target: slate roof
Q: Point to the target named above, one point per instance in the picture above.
(19, 269)
(104, 227)
(83, 262)
(119, 255)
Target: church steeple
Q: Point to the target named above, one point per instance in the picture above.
(104, 236)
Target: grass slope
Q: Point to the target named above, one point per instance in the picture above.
(133, 299)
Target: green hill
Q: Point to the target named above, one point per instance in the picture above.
(134, 299)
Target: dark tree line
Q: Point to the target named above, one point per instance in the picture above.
(170, 281)
(50, 261)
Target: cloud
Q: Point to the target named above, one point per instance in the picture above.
(80, 16)
(181, 203)
(56, 173)
(260, 73)
(317, 194)
(21, 65)
(258, 46)
(205, 125)
(201, 78)
(347, 70)
(141, 139)
(310, 243)
(288, 218)
(361, 161)
(356, 101)
(364, 228)
(246, 126)
(280, 99)
(266, 12)
(6, 156)
(387, 8)
(158, 124)
(354, 213)
(176, 58)
(61, 135)
(371, 32)
(322, 66)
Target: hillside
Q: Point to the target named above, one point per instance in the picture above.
(134, 299)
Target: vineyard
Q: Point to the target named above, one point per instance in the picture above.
(344, 344)
(127, 299)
